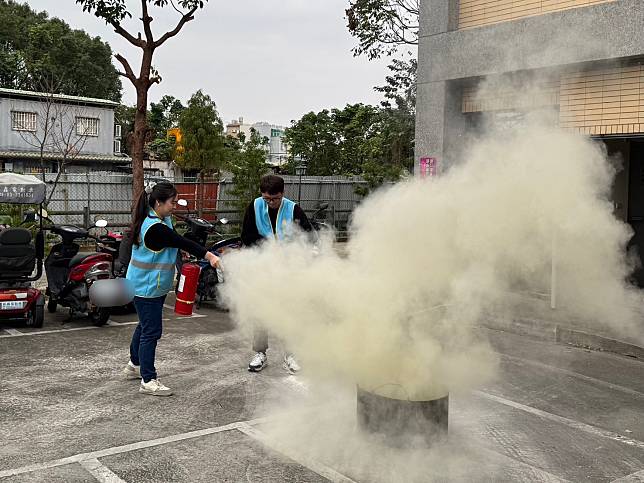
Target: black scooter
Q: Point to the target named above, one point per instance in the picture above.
(198, 231)
(70, 273)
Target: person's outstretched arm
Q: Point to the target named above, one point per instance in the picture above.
(160, 236)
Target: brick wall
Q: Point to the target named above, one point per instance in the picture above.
(475, 13)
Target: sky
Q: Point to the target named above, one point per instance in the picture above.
(264, 60)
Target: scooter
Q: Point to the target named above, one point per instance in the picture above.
(21, 260)
(70, 273)
(198, 231)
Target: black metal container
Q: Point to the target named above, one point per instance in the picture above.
(402, 422)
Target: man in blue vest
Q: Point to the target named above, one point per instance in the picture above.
(271, 216)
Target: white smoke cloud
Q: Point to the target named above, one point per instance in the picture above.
(429, 258)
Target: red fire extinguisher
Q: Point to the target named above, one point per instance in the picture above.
(187, 289)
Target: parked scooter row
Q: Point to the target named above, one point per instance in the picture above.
(70, 273)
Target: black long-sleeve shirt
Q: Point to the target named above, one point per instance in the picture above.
(250, 236)
(160, 236)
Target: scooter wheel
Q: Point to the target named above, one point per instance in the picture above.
(100, 316)
(36, 317)
(39, 316)
(51, 306)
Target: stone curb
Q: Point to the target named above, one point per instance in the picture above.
(554, 332)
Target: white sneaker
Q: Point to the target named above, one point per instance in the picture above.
(290, 364)
(154, 388)
(131, 371)
(258, 362)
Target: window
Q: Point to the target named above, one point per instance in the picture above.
(87, 126)
(117, 146)
(117, 130)
(23, 121)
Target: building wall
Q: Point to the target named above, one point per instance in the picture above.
(474, 13)
(571, 45)
(277, 151)
(11, 140)
(603, 101)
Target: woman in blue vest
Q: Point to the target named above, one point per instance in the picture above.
(155, 245)
(271, 216)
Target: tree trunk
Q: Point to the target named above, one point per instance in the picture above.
(142, 85)
(138, 144)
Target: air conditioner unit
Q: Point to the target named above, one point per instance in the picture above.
(117, 146)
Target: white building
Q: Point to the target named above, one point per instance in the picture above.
(276, 149)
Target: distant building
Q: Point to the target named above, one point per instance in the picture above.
(276, 150)
(237, 127)
(79, 129)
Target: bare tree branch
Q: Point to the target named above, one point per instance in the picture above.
(129, 73)
(147, 20)
(185, 19)
(139, 42)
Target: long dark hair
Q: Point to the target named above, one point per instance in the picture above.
(161, 192)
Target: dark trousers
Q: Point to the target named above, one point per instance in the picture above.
(260, 339)
(147, 333)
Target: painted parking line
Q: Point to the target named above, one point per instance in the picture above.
(583, 377)
(61, 330)
(587, 428)
(110, 323)
(632, 478)
(101, 472)
(194, 315)
(115, 450)
(14, 332)
(313, 465)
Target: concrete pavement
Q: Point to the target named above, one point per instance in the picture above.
(555, 413)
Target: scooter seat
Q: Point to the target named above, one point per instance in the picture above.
(78, 258)
(17, 253)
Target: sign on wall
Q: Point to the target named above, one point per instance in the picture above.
(428, 167)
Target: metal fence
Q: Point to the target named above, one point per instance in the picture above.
(81, 199)
(310, 192)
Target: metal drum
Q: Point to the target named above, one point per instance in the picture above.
(402, 422)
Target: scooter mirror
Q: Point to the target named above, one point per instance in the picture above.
(223, 221)
(100, 223)
(182, 202)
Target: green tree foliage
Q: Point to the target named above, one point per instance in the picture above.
(382, 27)
(248, 165)
(202, 134)
(35, 47)
(164, 115)
(385, 27)
(371, 141)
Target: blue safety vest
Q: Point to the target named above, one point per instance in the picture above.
(151, 272)
(283, 224)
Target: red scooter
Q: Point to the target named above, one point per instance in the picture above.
(70, 273)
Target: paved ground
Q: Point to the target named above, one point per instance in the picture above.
(555, 414)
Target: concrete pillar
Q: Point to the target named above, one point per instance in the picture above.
(436, 17)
